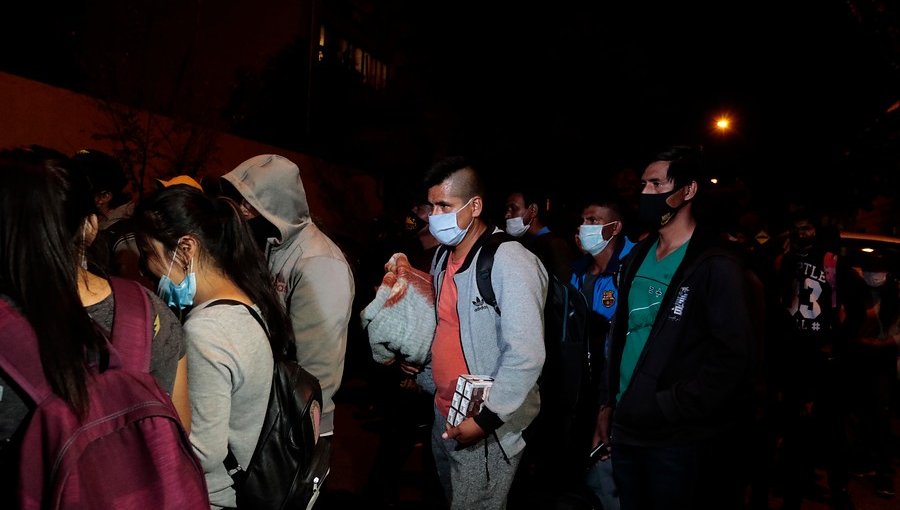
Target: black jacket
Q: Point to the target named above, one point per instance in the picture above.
(693, 379)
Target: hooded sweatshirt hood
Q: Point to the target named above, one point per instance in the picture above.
(310, 273)
(272, 185)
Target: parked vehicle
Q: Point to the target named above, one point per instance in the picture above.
(858, 248)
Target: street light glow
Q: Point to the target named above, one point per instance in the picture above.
(723, 123)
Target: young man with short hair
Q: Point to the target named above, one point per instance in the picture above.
(477, 459)
(681, 355)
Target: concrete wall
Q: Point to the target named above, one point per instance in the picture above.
(341, 199)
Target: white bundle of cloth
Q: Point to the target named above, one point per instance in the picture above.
(400, 321)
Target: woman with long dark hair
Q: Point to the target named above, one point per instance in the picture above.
(205, 257)
(47, 221)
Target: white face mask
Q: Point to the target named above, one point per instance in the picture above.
(516, 227)
(591, 237)
(875, 278)
(445, 228)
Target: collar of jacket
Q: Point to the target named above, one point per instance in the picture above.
(488, 232)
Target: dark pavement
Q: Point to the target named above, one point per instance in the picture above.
(358, 437)
(358, 429)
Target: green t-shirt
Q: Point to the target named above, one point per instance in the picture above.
(647, 291)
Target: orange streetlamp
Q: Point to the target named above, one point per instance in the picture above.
(723, 124)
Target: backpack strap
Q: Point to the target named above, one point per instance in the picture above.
(249, 308)
(235, 470)
(20, 357)
(291, 352)
(131, 324)
(485, 264)
(442, 250)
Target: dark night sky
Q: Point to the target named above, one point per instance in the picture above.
(594, 87)
(568, 88)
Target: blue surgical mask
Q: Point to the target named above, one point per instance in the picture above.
(516, 227)
(591, 237)
(182, 294)
(445, 229)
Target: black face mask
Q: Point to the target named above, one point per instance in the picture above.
(413, 224)
(654, 211)
(262, 230)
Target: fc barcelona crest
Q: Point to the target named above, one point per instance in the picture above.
(609, 298)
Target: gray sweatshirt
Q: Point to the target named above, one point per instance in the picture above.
(230, 366)
(310, 272)
(508, 347)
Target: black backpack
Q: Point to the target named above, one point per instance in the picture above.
(566, 326)
(290, 462)
(559, 437)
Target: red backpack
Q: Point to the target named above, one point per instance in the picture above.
(129, 452)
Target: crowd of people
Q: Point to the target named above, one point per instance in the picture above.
(258, 249)
(710, 358)
(715, 385)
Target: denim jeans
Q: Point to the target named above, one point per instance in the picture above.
(710, 474)
(657, 478)
(599, 480)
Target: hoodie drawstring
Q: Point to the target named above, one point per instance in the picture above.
(487, 472)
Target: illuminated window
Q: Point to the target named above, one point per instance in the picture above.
(358, 60)
(372, 71)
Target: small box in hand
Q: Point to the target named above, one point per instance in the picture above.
(471, 392)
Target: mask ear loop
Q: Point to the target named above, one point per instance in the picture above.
(471, 200)
(614, 228)
(84, 264)
(174, 254)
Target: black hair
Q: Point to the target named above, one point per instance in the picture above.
(685, 163)
(533, 195)
(43, 206)
(177, 211)
(466, 187)
(803, 213)
(610, 202)
(105, 173)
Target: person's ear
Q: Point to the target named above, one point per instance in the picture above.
(188, 249)
(690, 190)
(477, 206)
(617, 228)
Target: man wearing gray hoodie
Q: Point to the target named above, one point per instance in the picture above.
(308, 269)
(477, 459)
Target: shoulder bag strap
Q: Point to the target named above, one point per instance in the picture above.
(235, 470)
(20, 357)
(131, 324)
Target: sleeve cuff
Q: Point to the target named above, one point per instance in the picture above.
(488, 420)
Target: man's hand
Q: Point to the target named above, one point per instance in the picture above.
(601, 430)
(466, 433)
(410, 368)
